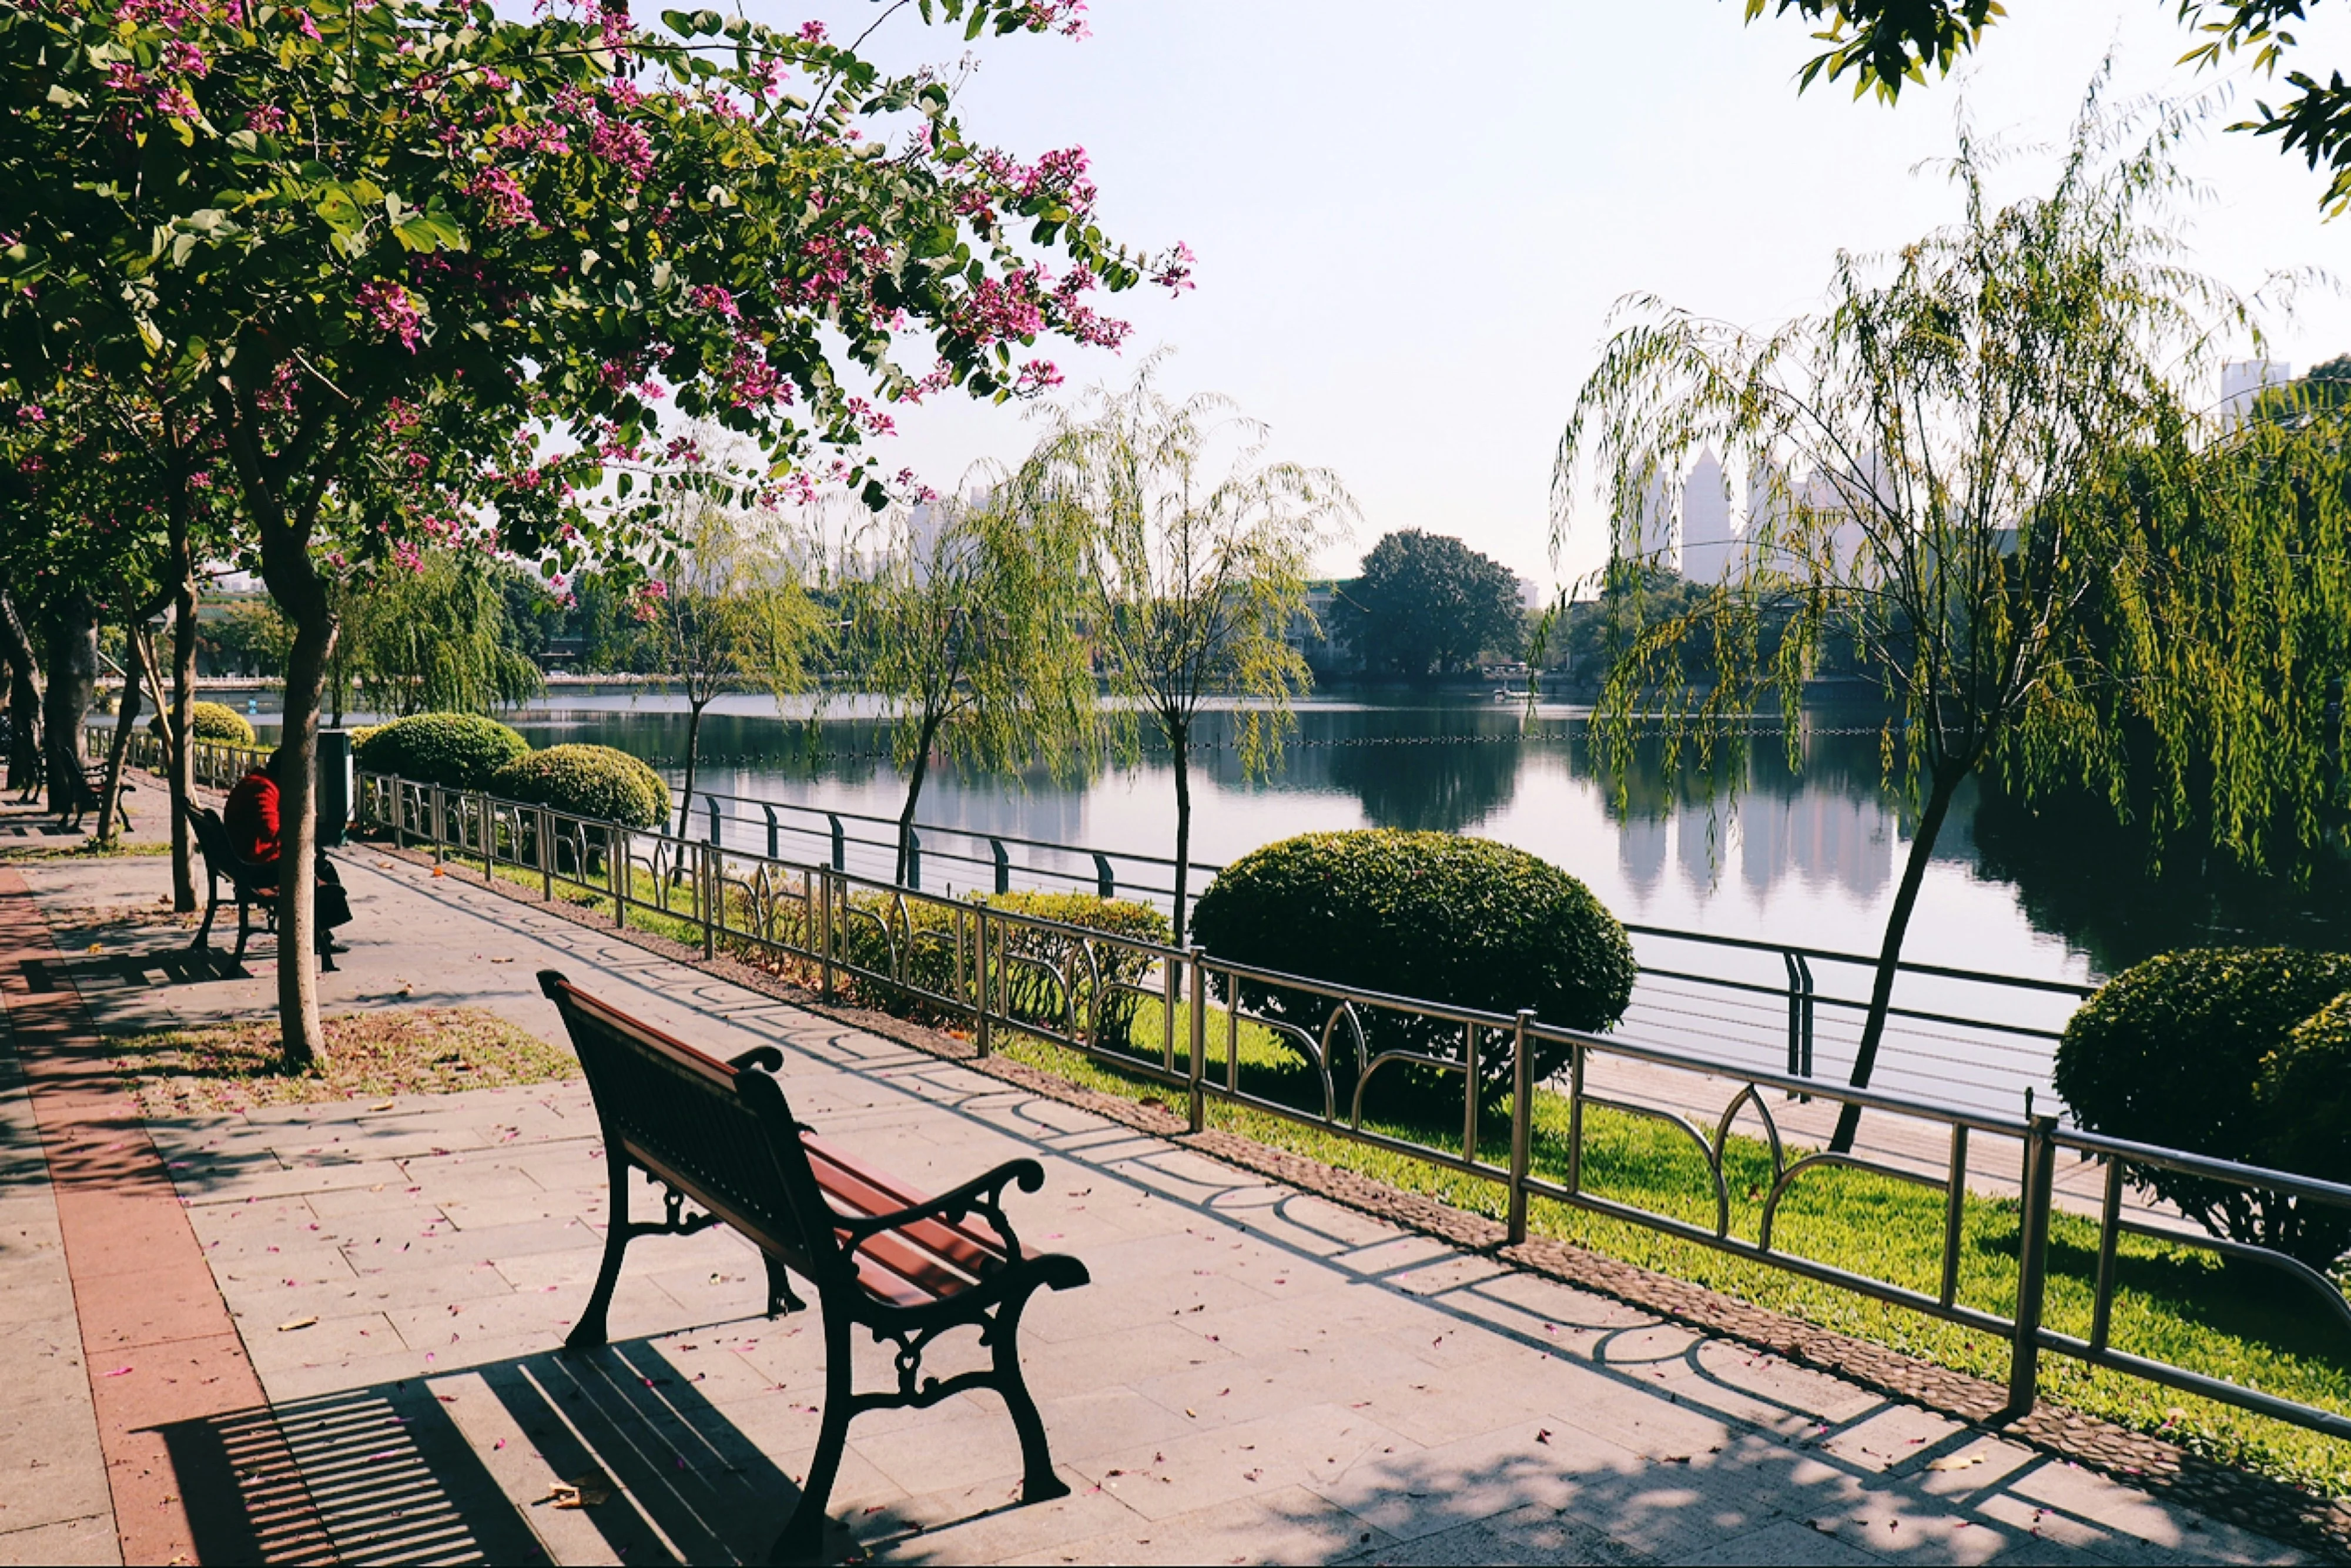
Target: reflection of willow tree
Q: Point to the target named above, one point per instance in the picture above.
(1441, 788)
(2082, 876)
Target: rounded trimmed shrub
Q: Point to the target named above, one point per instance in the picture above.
(597, 781)
(456, 750)
(219, 722)
(2305, 1092)
(2175, 1051)
(1465, 922)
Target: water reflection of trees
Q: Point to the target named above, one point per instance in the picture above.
(1442, 788)
(2081, 875)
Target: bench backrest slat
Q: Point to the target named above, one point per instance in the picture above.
(678, 1106)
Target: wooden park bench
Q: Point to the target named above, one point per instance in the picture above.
(255, 887)
(906, 1268)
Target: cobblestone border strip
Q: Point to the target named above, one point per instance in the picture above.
(2257, 1502)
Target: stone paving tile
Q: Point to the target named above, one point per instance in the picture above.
(72, 1542)
(1288, 1524)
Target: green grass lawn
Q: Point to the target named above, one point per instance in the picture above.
(2174, 1302)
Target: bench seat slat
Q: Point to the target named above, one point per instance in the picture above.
(865, 1191)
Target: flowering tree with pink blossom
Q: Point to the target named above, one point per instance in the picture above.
(430, 274)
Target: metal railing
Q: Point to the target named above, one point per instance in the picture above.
(1976, 1038)
(1329, 1057)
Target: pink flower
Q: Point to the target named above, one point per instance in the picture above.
(309, 28)
(390, 308)
(268, 120)
(813, 32)
(623, 145)
(1175, 273)
(711, 297)
(1036, 376)
(501, 194)
(185, 58)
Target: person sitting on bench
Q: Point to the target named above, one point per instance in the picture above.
(256, 836)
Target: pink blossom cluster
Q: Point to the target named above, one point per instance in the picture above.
(1036, 376)
(268, 120)
(872, 420)
(391, 308)
(646, 602)
(811, 32)
(711, 297)
(623, 144)
(995, 310)
(533, 136)
(1175, 272)
(1067, 17)
(1059, 176)
(502, 194)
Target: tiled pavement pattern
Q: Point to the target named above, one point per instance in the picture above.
(1254, 1376)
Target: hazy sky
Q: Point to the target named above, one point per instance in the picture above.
(1412, 220)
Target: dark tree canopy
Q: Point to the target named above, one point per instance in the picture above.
(1885, 45)
(1427, 604)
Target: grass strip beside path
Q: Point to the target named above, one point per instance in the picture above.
(233, 1067)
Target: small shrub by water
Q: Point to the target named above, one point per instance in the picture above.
(454, 750)
(2175, 1051)
(1466, 922)
(595, 781)
(219, 723)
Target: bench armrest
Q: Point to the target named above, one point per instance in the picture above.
(761, 1056)
(983, 1195)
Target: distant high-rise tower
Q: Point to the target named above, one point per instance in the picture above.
(1647, 536)
(2243, 381)
(1708, 546)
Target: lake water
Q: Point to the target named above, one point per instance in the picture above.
(1805, 856)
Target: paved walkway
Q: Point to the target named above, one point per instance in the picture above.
(1256, 1374)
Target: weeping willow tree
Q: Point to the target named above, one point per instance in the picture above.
(1196, 561)
(733, 614)
(434, 639)
(963, 619)
(1975, 470)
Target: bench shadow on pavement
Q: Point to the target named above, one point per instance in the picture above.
(396, 1472)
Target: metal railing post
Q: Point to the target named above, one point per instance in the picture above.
(773, 853)
(547, 854)
(824, 936)
(616, 871)
(839, 843)
(1521, 1123)
(983, 1031)
(2031, 1265)
(710, 803)
(1003, 866)
(1575, 1118)
(489, 830)
(1799, 1019)
(1197, 1040)
(440, 826)
(1104, 883)
(711, 914)
(913, 859)
(1470, 1092)
(399, 815)
(2110, 1217)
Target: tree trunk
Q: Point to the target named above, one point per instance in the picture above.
(914, 794)
(71, 625)
(1179, 742)
(126, 725)
(24, 697)
(179, 739)
(297, 876)
(1889, 954)
(693, 757)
